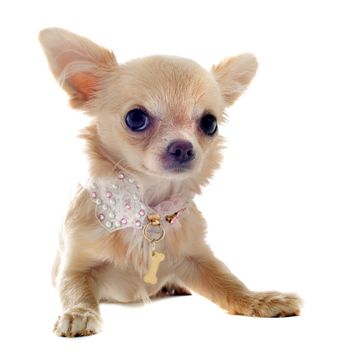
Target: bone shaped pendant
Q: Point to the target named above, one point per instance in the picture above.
(151, 276)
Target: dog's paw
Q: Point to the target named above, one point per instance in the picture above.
(274, 304)
(77, 322)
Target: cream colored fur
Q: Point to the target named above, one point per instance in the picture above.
(94, 265)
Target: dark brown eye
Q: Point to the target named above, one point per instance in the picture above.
(208, 124)
(137, 120)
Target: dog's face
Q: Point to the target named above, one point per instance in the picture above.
(162, 116)
(158, 115)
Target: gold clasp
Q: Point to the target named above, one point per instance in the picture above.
(154, 219)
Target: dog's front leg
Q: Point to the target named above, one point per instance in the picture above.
(207, 276)
(81, 311)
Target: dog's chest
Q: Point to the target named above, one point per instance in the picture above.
(129, 261)
(129, 249)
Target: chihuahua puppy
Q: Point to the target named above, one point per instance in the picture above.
(133, 230)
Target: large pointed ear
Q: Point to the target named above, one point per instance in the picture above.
(77, 63)
(234, 74)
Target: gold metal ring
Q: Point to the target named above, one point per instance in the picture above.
(154, 240)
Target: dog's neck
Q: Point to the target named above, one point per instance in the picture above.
(154, 190)
(157, 190)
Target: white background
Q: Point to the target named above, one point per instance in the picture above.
(278, 210)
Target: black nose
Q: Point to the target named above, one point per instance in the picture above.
(181, 151)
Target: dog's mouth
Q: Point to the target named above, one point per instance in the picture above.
(178, 168)
(172, 172)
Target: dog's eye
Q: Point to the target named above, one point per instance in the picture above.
(137, 120)
(208, 124)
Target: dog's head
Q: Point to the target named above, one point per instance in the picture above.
(160, 115)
